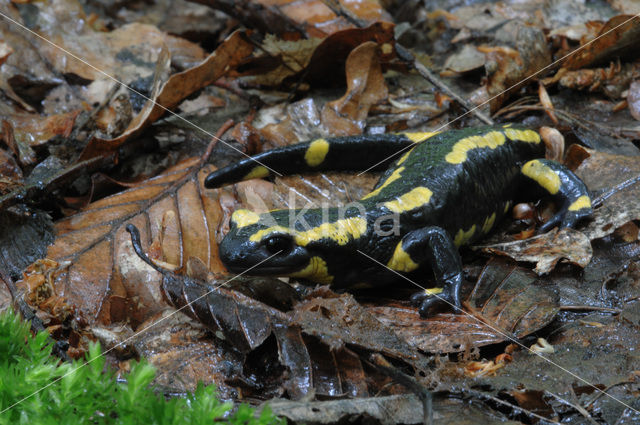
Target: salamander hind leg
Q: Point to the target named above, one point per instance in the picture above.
(433, 246)
(564, 187)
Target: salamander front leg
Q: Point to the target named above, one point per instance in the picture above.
(563, 186)
(431, 245)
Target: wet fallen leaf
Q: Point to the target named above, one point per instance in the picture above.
(509, 66)
(506, 302)
(546, 250)
(312, 18)
(104, 270)
(168, 93)
(339, 320)
(468, 59)
(365, 87)
(602, 172)
(617, 38)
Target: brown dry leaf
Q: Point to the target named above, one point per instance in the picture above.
(309, 344)
(168, 93)
(505, 302)
(546, 250)
(35, 130)
(106, 281)
(326, 66)
(312, 18)
(467, 59)
(184, 354)
(610, 43)
(509, 66)
(601, 172)
(339, 320)
(365, 87)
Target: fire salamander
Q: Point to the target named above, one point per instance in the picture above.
(445, 190)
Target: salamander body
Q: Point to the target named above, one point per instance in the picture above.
(443, 190)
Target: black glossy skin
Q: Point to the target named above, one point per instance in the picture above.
(487, 182)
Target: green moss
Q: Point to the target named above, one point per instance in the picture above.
(47, 392)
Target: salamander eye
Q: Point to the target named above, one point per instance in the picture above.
(279, 243)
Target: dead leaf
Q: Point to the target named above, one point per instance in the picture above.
(546, 250)
(339, 320)
(466, 60)
(617, 38)
(509, 66)
(168, 93)
(104, 268)
(601, 172)
(505, 302)
(365, 87)
(312, 18)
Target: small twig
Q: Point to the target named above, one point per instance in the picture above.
(575, 406)
(605, 391)
(408, 57)
(516, 409)
(214, 141)
(617, 188)
(590, 308)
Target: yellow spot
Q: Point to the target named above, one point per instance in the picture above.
(529, 136)
(580, 203)
(404, 157)
(340, 231)
(507, 206)
(488, 223)
(420, 137)
(433, 291)
(401, 261)
(543, 175)
(316, 270)
(243, 218)
(415, 198)
(393, 177)
(316, 152)
(257, 173)
(463, 237)
(260, 234)
(458, 153)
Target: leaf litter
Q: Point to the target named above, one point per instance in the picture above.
(321, 69)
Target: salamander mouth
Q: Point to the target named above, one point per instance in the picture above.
(271, 267)
(263, 270)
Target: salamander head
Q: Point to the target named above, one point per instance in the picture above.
(269, 244)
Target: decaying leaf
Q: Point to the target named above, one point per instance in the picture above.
(166, 94)
(312, 18)
(246, 323)
(617, 38)
(508, 67)
(546, 250)
(505, 303)
(365, 87)
(602, 172)
(105, 280)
